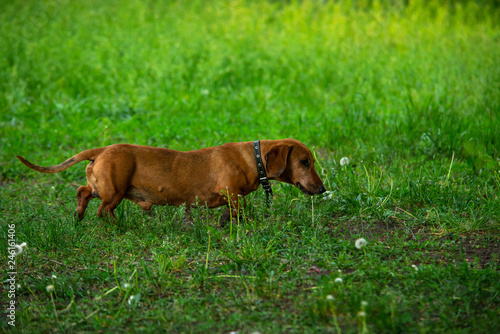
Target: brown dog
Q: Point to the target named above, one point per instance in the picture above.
(157, 176)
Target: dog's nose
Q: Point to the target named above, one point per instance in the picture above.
(322, 189)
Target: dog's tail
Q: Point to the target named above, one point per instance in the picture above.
(85, 155)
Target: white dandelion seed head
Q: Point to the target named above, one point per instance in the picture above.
(18, 249)
(50, 288)
(362, 314)
(131, 299)
(134, 299)
(328, 195)
(18, 286)
(53, 277)
(330, 297)
(360, 243)
(338, 280)
(126, 286)
(364, 303)
(344, 161)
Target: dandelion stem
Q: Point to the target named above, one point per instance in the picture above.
(123, 302)
(208, 251)
(335, 321)
(322, 169)
(238, 218)
(54, 305)
(312, 211)
(116, 277)
(230, 214)
(449, 170)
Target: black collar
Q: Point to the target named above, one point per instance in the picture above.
(264, 181)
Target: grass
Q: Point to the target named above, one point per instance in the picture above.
(408, 92)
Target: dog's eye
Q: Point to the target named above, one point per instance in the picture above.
(305, 162)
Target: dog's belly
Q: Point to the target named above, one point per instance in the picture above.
(139, 196)
(164, 196)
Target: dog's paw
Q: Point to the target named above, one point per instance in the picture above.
(77, 217)
(225, 218)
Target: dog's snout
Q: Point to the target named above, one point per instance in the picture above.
(321, 189)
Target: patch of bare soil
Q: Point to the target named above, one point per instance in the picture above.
(480, 247)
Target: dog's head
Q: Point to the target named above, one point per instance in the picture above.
(291, 161)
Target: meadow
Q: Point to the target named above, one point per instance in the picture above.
(408, 91)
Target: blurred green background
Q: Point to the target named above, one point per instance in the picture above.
(368, 79)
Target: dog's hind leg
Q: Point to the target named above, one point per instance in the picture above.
(84, 195)
(110, 201)
(112, 179)
(107, 208)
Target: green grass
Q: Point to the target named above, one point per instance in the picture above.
(409, 92)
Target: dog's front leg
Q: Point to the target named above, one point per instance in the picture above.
(84, 195)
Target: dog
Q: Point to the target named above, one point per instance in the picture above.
(213, 176)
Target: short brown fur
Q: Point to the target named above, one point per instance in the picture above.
(156, 176)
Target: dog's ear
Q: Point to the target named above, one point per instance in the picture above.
(276, 159)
